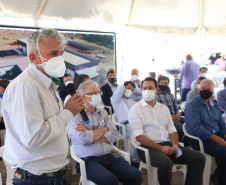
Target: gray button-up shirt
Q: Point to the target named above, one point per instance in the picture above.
(83, 141)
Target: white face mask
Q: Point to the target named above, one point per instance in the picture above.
(134, 77)
(148, 95)
(54, 67)
(204, 74)
(128, 93)
(95, 100)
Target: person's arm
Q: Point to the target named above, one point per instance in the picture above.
(176, 108)
(111, 135)
(34, 131)
(183, 71)
(117, 95)
(220, 141)
(221, 100)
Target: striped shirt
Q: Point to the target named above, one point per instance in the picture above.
(168, 100)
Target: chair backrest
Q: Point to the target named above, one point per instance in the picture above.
(194, 137)
(182, 106)
(110, 109)
(114, 119)
(9, 171)
(145, 150)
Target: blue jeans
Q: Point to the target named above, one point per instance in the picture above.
(183, 95)
(218, 152)
(25, 180)
(108, 170)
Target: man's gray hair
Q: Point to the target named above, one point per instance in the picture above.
(207, 81)
(84, 86)
(40, 35)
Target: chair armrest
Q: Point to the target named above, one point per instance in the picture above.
(119, 124)
(125, 155)
(194, 137)
(109, 108)
(82, 165)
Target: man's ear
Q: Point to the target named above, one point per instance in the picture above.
(33, 58)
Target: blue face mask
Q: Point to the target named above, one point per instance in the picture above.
(1, 95)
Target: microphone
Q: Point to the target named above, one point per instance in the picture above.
(71, 89)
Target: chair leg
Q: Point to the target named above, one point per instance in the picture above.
(207, 170)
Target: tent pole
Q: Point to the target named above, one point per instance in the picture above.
(41, 7)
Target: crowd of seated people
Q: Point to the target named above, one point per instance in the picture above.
(149, 111)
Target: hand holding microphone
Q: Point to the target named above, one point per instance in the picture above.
(76, 102)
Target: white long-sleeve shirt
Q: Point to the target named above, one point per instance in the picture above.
(36, 139)
(121, 105)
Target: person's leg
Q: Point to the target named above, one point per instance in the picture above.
(162, 162)
(126, 173)
(96, 172)
(184, 93)
(219, 153)
(179, 128)
(196, 163)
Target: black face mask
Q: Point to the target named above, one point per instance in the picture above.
(205, 94)
(163, 87)
(112, 80)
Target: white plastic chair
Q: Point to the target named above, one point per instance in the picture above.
(9, 171)
(209, 159)
(83, 177)
(151, 170)
(182, 106)
(122, 136)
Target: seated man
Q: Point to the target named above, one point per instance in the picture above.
(204, 120)
(202, 73)
(195, 90)
(167, 98)
(152, 127)
(80, 78)
(63, 92)
(122, 103)
(108, 89)
(221, 97)
(93, 142)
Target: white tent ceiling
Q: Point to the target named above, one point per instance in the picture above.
(154, 15)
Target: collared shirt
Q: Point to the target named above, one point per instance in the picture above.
(113, 88)
(36, 139)
(221, 99)
(192, 93)
(153, 122)
(137, 94)
(168, 100)
(203, 121)
(121, 105)
(83, 141)
(221, 64)
(189, 73)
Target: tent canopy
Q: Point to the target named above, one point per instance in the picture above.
(154, 15)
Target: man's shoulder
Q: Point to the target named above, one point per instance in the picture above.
(105, 86)
(221, 92)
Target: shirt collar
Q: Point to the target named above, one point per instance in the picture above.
(144, 103)
(203, 102)
(97, 109)
(43, 78)
(111, 85)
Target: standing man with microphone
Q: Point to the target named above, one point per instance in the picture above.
(36, 143)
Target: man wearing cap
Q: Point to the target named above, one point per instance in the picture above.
(37, 144)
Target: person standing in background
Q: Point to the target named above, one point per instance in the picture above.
(221, 62)
(136, 96)
(37, 143)
(189, 73)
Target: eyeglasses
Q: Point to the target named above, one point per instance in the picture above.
(94, 93)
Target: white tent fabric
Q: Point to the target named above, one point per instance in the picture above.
(178, 16)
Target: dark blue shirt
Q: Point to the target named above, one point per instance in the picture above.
(203, 121)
